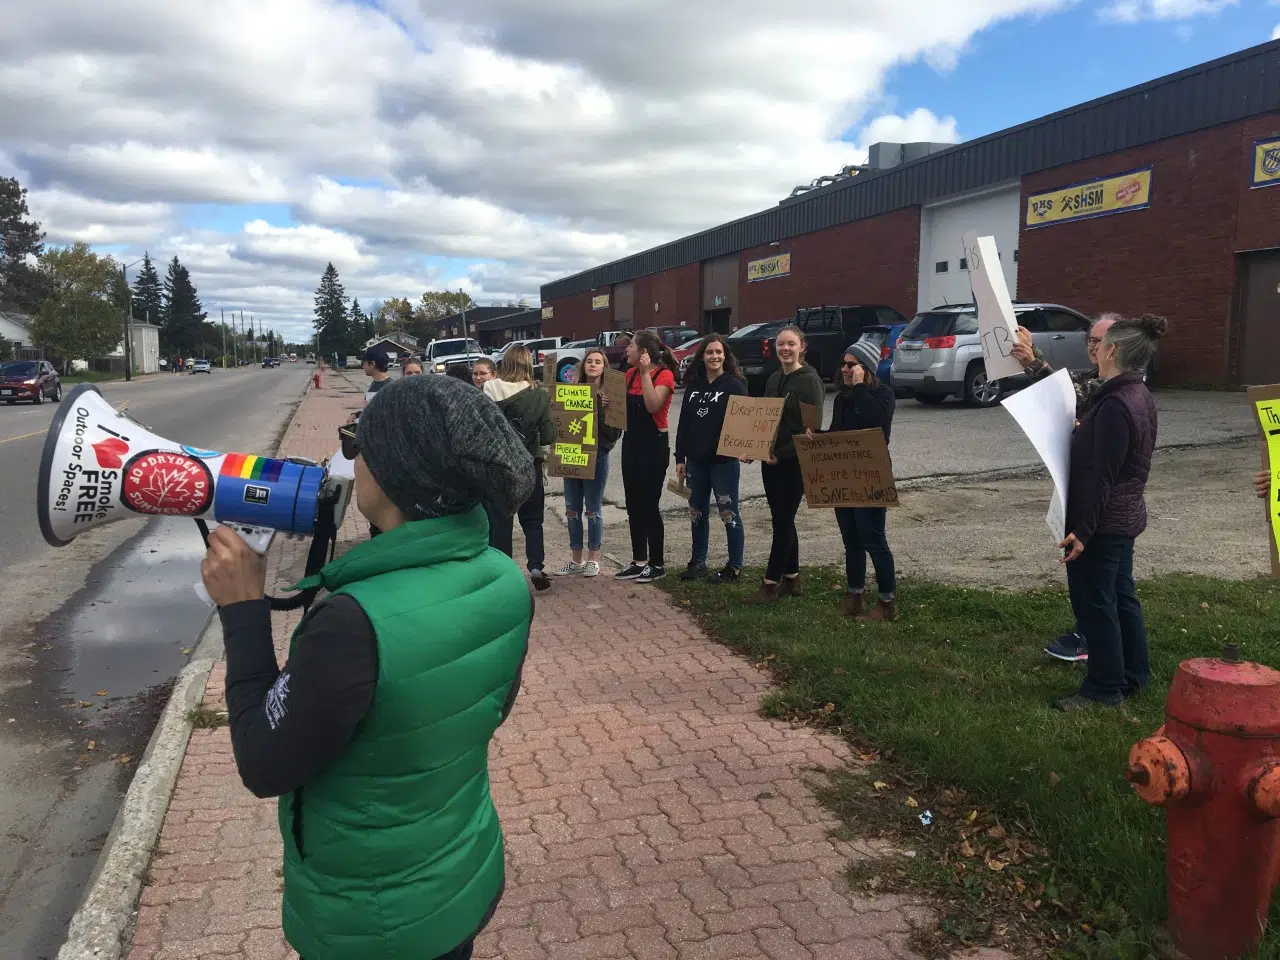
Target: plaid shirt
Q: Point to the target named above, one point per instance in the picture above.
(1086, 384)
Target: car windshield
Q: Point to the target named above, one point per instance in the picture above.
(18, 368)
(941, 324)
(448, 347)
(877, 335)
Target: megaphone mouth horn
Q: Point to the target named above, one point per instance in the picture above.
(50, 450)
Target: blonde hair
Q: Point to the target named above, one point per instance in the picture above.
(517, 365)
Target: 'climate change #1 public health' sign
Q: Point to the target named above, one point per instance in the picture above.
(1122, 193)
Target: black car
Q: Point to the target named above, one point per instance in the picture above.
(33, 380)
(270, 362)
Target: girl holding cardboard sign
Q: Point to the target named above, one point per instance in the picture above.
(585, 498)
(646, 451)
(797, 383)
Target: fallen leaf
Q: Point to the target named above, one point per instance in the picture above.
(996, 865)
(92, 745)
(83, 758)
(100, 693)
(911, 802)
(829, 708)
(880, 785)
(996, 833)
(186, 651)
(1054, 779)
(837, 671)
(125, 758)
(973, 815)
(966, 849)
(1203, 606)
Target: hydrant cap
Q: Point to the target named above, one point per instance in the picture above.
(1213, 695)
(1159, 771)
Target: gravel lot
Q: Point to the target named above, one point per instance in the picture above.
(973, 501)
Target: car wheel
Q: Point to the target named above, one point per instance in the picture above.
(39, 398)
(567, 371)
(57, 393)
(980, 391)
(931, 399)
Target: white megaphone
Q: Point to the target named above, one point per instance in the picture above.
(100, 466)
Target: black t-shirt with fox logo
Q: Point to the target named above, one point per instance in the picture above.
(701, 417)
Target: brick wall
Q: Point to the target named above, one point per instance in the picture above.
(676, 293)
(574, 318)
(867, 261)
(1176, 258)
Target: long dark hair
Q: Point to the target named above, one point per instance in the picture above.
(698, 367)
(658, 351)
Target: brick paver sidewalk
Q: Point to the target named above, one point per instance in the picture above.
(650, 812)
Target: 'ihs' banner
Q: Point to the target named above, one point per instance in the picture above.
(573, 454)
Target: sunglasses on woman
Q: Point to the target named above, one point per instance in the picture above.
(347, 437)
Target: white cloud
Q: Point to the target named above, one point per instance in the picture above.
(519, 142)
(1132, 11)
(1275, 34)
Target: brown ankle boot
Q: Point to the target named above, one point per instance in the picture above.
(768, 593)
(791, 587)
(852, 605)
(885, 611)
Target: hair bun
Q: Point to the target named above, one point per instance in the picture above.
(1153, 326)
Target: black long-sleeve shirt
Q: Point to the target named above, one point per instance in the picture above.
(861, 407)
(288, 724)
(702, 418)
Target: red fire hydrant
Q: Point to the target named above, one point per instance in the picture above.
(316, 378)
(1215, 768)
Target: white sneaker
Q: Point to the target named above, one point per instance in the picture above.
(570, 568)
(591, 569)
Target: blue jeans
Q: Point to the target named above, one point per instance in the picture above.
(1106, 606)
(703, 477)
(862, 529)
(588, 493)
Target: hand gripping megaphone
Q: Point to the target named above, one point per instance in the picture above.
(100, 466)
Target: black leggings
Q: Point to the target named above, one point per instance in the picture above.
(784, 489)
(644, 468)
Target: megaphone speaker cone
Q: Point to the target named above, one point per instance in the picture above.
(99, 466)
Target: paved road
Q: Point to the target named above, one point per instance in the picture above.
(955, 440)
(90, 637)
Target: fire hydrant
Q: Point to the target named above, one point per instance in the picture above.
(316, 378)
(1215, 768)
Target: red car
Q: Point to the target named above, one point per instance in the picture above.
(683, 355)
(33, 380)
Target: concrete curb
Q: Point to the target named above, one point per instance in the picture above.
(103, 924)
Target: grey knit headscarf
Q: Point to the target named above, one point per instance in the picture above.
(438, 446)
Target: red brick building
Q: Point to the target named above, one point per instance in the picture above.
(1155, 199)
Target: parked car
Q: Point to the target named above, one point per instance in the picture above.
(676, 336)
(33, 380)
(201, 366)
(885, 339)
(440, 355)
(940, 353)
(827, 330)
(684, 355)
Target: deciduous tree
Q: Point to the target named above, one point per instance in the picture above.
(78, 320)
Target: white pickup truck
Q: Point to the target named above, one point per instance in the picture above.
(440, 355)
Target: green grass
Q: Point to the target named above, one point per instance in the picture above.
(952, 703)
(89, 376)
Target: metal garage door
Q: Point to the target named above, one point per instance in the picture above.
(943, 275)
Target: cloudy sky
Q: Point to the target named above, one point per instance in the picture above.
(494, 145)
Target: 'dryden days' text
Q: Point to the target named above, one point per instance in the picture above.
(167, 484)
(92, 490)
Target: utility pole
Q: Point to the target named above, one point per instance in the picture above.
(223, 325)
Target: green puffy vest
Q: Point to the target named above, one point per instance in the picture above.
(393, 852)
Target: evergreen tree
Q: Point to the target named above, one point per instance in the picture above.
(148, 295)
(183, 313)
(22, 285)
(331, 321)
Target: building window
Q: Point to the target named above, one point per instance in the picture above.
(941, 266)
(1015, 256)
(964, 263)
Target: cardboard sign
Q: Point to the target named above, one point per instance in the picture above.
(1266, 404)
(811, 415)
(750, 427)
(573, 454)
(549, 368)
(847, 469)
(996, 323)
(676, 486)
(615, 385)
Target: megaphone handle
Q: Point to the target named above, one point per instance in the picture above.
(257, 539)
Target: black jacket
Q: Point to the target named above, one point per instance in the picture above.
(1110, 459)
(702, 417)
(861, 407)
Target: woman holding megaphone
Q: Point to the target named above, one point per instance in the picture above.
(375, 732)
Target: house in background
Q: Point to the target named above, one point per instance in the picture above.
(15, 327)
(395, 345)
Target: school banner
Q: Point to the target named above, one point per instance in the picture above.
(1122, 193)
(573, 454)
(1266, 163)
(768, 268)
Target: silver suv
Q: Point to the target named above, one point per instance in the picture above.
(940, 354)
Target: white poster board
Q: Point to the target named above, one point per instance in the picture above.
(1046, 412)
(996, 322)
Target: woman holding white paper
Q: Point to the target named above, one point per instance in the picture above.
(1111, 454)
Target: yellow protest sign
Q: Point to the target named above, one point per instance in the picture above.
(573, 408)
(1266, 404)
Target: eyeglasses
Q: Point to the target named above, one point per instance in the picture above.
(347, 437)
(1094, 341)
(848, 365)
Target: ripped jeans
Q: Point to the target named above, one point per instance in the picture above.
(703, 477)
(589, 494)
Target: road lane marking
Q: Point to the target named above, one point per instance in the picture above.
(27, 436)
